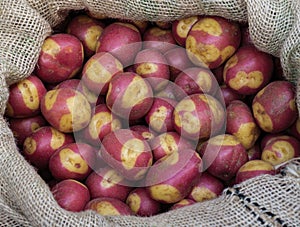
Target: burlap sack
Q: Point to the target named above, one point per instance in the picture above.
(25, 200)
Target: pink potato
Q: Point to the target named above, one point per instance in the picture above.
(87, 30)
(107, 182)
(181, 28)
(71, 195)
(152, 65)
(230, 94)
(253, 169)
(223, 155)
(294, 129)
(144, 131)
(275, 113)
(182, 203)
(24, 127)
(159, 39)
(140, 24)
(241, 123)
(108, 207)
(127, 152)
(171, 178)
(167, 143)
(207, 187)
(254, 153)
(129, 96)
(60, 108)
(159, 117)
(72, 161)
(42, 144)
(218, 73)
(171, 91)
(61, 58)
(122, 40)
(25, 98)
(212, 40)
(99, 70)
(141, 203)
(248, 70)
(199, 116)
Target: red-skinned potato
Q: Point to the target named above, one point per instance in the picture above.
(122, 40)
(152, 65)
(24, 127)
(253, 169)
(129, 96)
(60, 108)
(71, 195)
(223, 155)
(144, 131)
(212, 40)
(280, 149)
(181, 28)
(182, 203)
(218, 73)
(107, 182)
(42, 144)
(207, 187)
(61, 58)
(268, 137)
(25, 98)
(229, 94)
(159, 39)
(108, 207)
(294, 130)
(171, 91)
(171, 178)
(275, 113)
(163, 24)
(198, 116)
(102, 122)
(87, 30)
(254, 153)
(159, 117)
(248, 70)
(241, 123)
(141, 203)
(141, 25)
(167, 143)
(73, 161)
(177, 60)
(131, 155)
(71, 83)
(99, 70)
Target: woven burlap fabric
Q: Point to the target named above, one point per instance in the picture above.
(25, 200)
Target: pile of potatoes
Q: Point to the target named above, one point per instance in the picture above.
(138, 118)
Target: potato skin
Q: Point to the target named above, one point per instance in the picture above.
(182, 203)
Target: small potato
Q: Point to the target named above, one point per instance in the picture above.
(275, 113)
(108, 207)
(212, 40)
(141, 203)
(171, 91)
(25, 98)
(248, 70)
(182, 203)
(254, 153)
(253, 169)
(230, 95)
(141, 25)
(241, 123)
(42, 144)
(144, 131)
(294, 129)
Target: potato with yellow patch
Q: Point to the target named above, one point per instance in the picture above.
(73, 161)
(207, 187)
(127, 152)
(141, 203)
(42, 144)
(144, 131)
(99, 70)
(275, 113)
(199, 116)
(107, 182)
(182, 203)
(102, 122)
(223, 155)
(241, 123)
(61, 58)
(152, 65)
(60, 108)
(254, 168)
(248, 70)
(25, 98)
(280, 149)
(108, 207)
(171, 178)
(129, 96)
(122, 40)
(212, 40)
(87, 30)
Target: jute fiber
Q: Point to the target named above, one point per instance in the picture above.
(25, 200)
